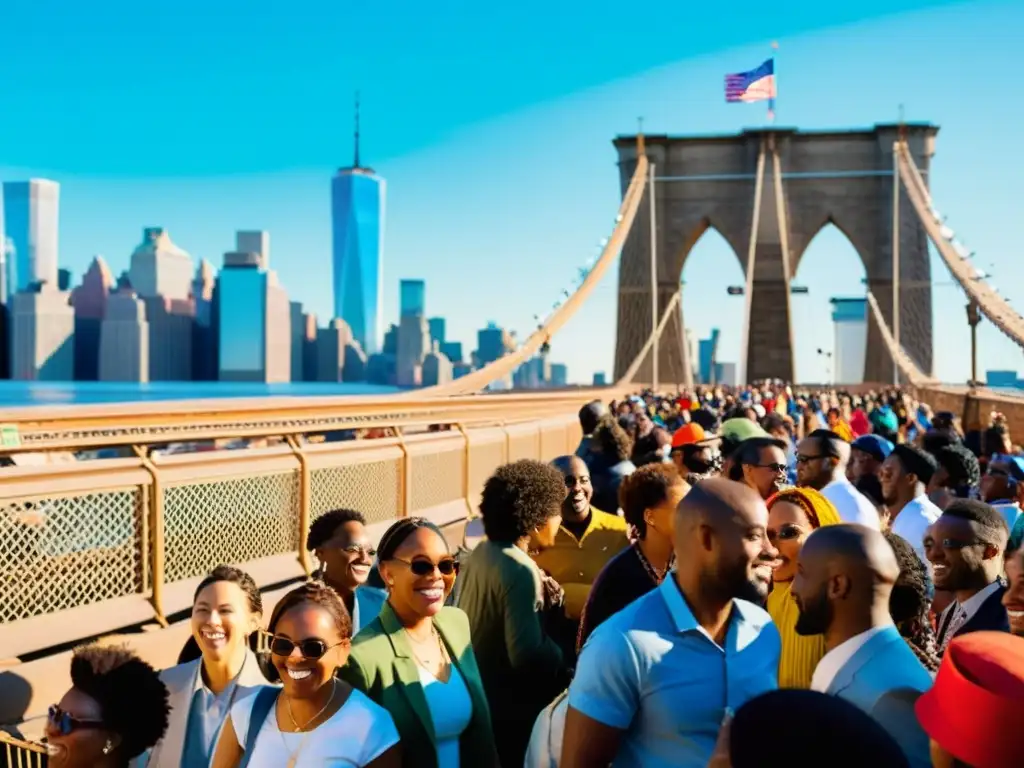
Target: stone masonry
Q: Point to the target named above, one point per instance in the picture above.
(838, 177)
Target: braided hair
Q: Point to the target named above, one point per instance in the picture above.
(910, 603)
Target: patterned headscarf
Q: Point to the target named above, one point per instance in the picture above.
(819, 510)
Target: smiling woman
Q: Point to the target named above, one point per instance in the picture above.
(226, 612)
(416, 660)
(314, 719)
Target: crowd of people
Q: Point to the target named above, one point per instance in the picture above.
(744, 579)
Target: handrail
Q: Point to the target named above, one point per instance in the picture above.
(94, 426)
(503, 366)
(992, 305)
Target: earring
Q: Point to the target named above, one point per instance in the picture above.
(107, 747)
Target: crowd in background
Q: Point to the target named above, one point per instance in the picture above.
(716, 578)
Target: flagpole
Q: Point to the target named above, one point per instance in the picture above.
(775, 85)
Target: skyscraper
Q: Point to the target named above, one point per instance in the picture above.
(357, 221)
(30, 216)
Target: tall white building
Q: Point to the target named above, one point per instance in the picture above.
(31, 214)
(124, 339)
(42, 335)
(160, 268)
(254, 241)
(850, 317)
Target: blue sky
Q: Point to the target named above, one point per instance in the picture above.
(493, 128)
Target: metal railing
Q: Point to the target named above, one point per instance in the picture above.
(93, 546)
(18, 753)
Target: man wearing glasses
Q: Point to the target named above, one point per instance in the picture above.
(965, 548)
(821, 461)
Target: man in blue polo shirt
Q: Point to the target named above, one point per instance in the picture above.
(655, 681)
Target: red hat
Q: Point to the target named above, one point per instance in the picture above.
(975, 709)
(688, 434)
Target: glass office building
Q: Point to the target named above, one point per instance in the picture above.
(357, 219)
(30, 219)
(242, 293)
(412, 298)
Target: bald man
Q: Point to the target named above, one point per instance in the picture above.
(845, 577)
(821, 461)
(655, 680)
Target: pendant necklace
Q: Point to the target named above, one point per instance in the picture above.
(293, 757)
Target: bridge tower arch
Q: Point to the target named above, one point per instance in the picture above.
(810, 179)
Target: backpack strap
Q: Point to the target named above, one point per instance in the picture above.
(261, 707)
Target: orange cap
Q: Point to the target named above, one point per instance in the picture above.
(688, 434)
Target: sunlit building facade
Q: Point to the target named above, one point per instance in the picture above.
(255, 322)
(31, 214)
(357, 220)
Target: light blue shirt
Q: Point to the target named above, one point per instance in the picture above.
(451, 709)
(653, 672)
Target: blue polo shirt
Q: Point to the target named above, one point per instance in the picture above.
(653, 672)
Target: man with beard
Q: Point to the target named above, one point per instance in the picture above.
(821, 460)
(843, 588)
(655, 680)
(587, 539)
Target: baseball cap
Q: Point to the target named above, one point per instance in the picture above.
(740, 429)
(875, 446)
(690, 434)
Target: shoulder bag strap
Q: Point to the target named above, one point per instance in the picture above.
(261, 707)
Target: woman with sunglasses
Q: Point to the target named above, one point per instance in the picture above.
(416, 659)
(314, 719)
(793, 514)
(339, 541)
(116, 710)
(226, 611)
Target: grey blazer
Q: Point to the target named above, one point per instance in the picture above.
(182, 682)
(884, 679)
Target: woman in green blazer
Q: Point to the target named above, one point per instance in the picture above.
(416, 660)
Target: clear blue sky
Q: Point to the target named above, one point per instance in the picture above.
(493, 127)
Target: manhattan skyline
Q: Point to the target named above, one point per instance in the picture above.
(499, 207)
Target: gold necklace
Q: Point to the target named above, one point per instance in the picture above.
(434, 635)
(293, 757)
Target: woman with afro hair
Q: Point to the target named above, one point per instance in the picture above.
(504, 594)
(115, 710)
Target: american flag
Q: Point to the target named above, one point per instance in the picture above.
(755, 85)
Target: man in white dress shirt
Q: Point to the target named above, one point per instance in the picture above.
(842, 588)
(905, 476)
(821, 461)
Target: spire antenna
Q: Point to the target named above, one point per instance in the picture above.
(355, 163)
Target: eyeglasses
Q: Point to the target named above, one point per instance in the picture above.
(958, 544)
(67, 723)
(446, 566)
(355, 549)
(774, 467)
(802, 459)
(310, 648)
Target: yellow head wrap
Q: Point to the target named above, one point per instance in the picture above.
(819, 510)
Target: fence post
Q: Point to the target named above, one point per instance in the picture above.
(406, 495)
(156, 527)
(304, 502)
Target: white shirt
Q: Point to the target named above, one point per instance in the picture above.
(912, 523)
(358, 733)
(833, 661)
(1010, 511)
(852, 505)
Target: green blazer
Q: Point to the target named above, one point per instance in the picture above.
(382, 666)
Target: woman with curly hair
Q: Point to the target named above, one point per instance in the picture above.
(314, 718)
(793, 514)
(116, 710)
(504, 594)
(910, 603)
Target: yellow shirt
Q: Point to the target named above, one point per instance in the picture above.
(800, 653)
(574, 563)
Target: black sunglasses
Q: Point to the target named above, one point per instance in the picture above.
(310, 648)
(446, 566)
(774, 467)
(67, 723)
